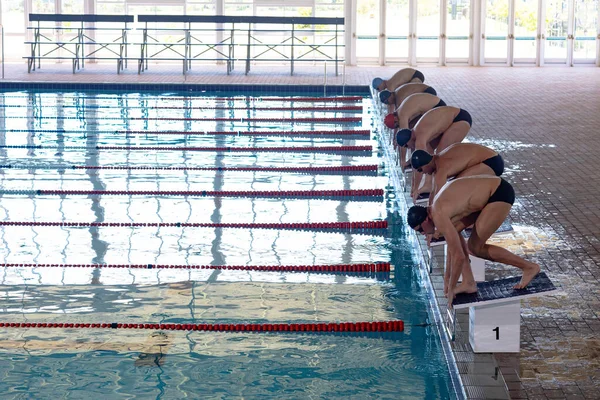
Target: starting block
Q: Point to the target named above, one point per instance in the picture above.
(495, 313)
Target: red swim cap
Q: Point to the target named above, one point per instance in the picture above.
(390, 121)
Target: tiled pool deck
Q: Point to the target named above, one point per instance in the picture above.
(544, 122)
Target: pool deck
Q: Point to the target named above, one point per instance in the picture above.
(544, 122)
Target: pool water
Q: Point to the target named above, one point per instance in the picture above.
(44, 135)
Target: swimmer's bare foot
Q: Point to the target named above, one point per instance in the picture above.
(528, 274)
(466, 287)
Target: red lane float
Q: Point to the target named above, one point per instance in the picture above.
(337, 226)
(378, 326)
(340, 169)
(303, 194)
(369, 268)
(307, 149)
(347, 132)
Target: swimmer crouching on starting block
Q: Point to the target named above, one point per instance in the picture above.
(405, 75)
(456, 161)
(484, 201)
(409, 113)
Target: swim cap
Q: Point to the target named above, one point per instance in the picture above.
(384, 95)
(416, 215)
(390, 121)
(403, 136)
(442, 103)
(420, 158)
(376, 83)
(430, 90)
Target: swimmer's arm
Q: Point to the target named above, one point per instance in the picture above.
(419, 144)
(455, 248)
(439, 180)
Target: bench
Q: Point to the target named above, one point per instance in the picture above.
(252, 33)
(189, 45)
(495, 313)
(80, 37)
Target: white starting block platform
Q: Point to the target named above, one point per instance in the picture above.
(495, 313)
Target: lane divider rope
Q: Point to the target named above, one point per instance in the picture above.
(378, 326)
(371, 268)
(355, 194)
(288, 149)
(340, 120)
(335, 133)
(183, 107)
(322, 170)
(199, 97)
(356, 227)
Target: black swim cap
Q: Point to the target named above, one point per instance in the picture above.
(420, 158)
(384, 95)
(403, 136)
(430, 90)
(416, 215)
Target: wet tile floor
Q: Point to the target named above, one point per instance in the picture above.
(544, 123)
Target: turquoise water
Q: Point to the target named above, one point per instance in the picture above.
(75, 363)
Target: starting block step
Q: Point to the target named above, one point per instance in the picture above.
(495, 313)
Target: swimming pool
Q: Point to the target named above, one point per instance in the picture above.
(49, 141)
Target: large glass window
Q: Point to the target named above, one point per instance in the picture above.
(367, 29)
(396, 22)
(557, 25)
(586, 26)
(428, 29)
(458, 28)
(496, 30)
(526, 22)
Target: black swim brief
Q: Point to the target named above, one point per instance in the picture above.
(430, 90)
(504, 193)
(440, 104)
(463, 115)
(419, 75)
(496, 163)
